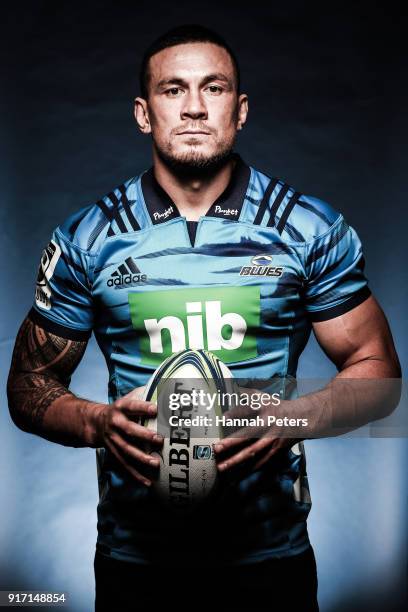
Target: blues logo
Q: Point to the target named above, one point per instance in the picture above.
(261, 266)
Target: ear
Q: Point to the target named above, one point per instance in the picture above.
(242, 111)
(141, 114)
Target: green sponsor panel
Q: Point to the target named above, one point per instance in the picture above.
(222, 320)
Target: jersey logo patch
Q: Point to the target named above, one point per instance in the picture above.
(165, 215)
(226, 212)
(49, 259)
(127, 274)
(222, 320)
(261, 266)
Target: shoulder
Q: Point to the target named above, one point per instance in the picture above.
(295, 215)
(314, 217)
(116, 212)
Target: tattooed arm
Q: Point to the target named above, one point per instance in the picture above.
(37, 389)
(40, 403)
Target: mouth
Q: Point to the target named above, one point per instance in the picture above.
(194, 132)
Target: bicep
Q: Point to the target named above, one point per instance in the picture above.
(359, 335)
(38, 351)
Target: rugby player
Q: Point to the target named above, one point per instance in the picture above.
(188, 236)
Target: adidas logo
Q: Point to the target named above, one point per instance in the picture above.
(127, 274)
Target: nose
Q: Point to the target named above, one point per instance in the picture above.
(193, 107)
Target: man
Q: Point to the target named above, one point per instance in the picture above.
(188, 236)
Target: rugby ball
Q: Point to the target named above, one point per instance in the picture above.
(189, 388)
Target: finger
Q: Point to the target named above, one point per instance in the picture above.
(133, 430)
(244, 435)
(248, 453)
(134, 452)
(248, 432)
(229, 443)
(272, 451)
(136, 393)
(137, 475)
(276, 445)
(246, 425)
(136, 406)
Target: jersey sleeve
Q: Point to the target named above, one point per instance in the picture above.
(63, 293)
(334, 266)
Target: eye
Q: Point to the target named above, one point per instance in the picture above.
(173, 92)
(215, 89)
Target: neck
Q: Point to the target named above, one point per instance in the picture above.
(193, 194)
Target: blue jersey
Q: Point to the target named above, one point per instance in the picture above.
(245, 282)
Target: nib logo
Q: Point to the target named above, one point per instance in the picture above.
(222, 320)
(127, 274)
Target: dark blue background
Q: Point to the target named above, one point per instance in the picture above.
(326, 104)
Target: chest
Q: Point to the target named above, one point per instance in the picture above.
(218, 294)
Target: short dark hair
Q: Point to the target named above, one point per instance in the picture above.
(179, 35)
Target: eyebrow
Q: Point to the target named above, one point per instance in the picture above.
(216, 76)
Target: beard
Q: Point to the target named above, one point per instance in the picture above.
(193, 163)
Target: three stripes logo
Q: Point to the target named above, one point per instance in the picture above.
(126, 274)
(120, 203)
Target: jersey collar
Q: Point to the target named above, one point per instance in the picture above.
(228, 205)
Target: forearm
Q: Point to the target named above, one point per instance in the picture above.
(37, 388)
(361, 393)
(44, 406)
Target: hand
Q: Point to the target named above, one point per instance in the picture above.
(249, 448)
(258, 452)
(125, 438)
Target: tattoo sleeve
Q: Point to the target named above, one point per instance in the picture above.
(40, 373)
